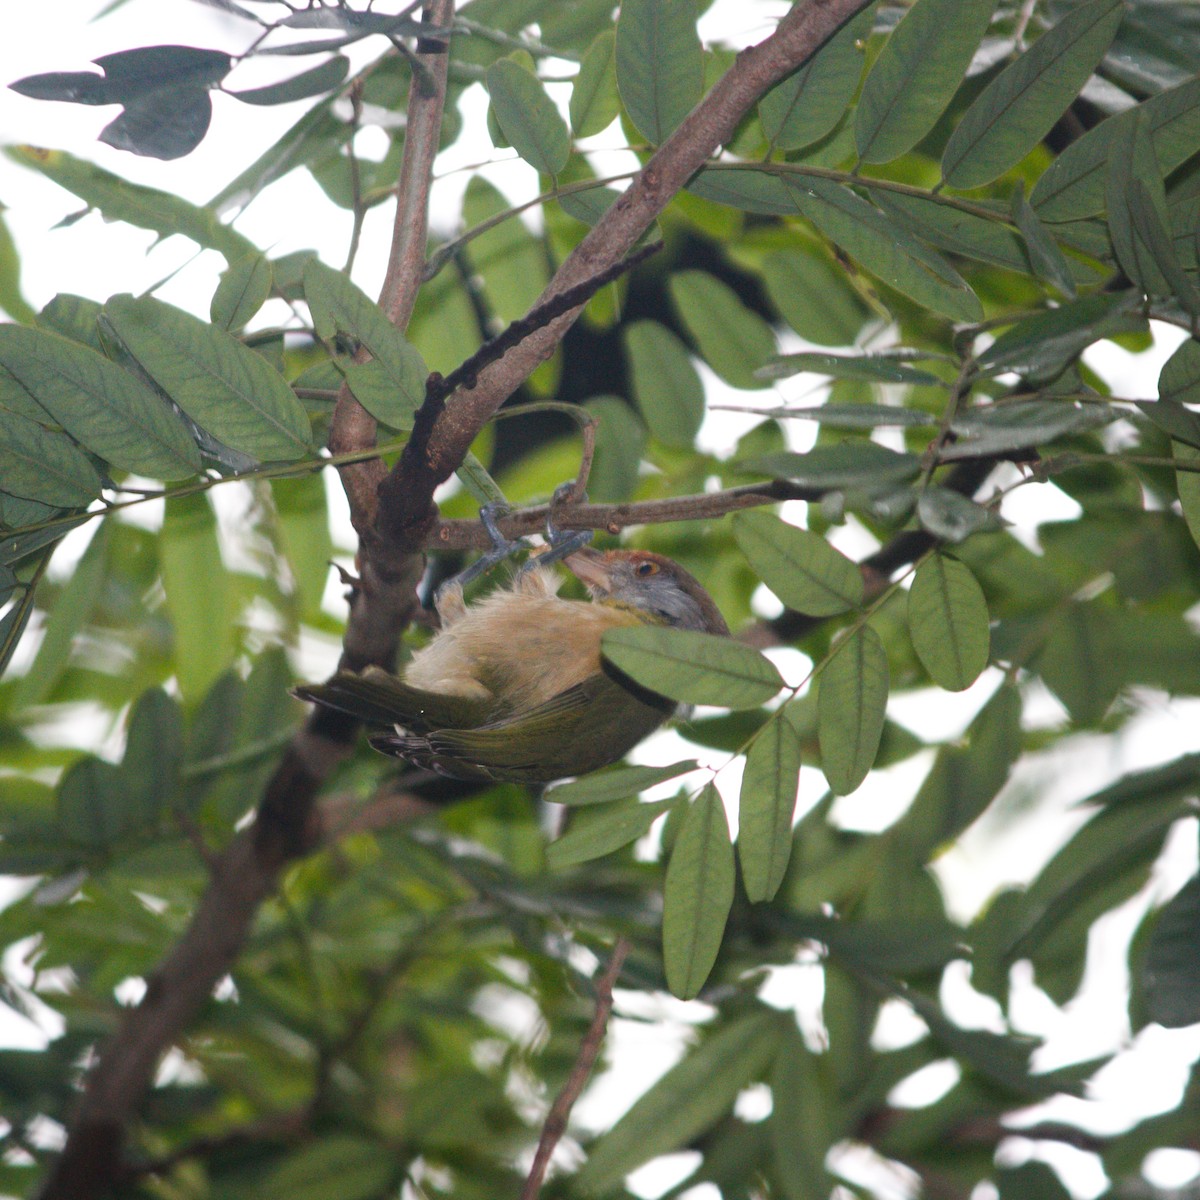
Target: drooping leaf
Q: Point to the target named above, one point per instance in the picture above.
(224, 386)
(1187, 483)
(528, 117)
(1020, 424)
(1045, 257)
(851, 707)
(660, 72)
(766, 806)
(915, 77)
(884, 248)
(799, 566)
(1131, 160)
(697, 895)
(101, 406)
(877, 368)
(303, 519)
(948, 620)
(314, 82)
(800, 1120)
(810, 102)
(40, 464)
(1073, 185)
(1080, 663)
(858, 465)
(599, 831)
(620, 444)
(243, 290)
(615, 783)
(692, 1096)
(1171, 971)
(1016, 110)
(338, 305)
(595, 101)
(811, 293)
(952, 516)
(693, 668)
(666, 385)
(731, 338)
(91, 808)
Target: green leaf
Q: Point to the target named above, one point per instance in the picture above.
(811, 293)
(338, 306)
(948, 620)
(91, 803)
(314, 82)
(101, 406)
(528, 117)
(767, 805)
(693, 668)
(746, 187)
(851, 706)
(915, 77)
(1187, 483)
(1150, 231)
(340, 1164)
(599, 831)
(1073, 185)
(511, 261)
(1131, 159)
(1047, 260)
(810, 102)
(620, 444)
(243, 290)
(198, 594)
(72, 610)
(1021, 424)
(1043, 345)
(224, 386)
(800, 567)
(588, 205)
(303, 516)
(595, 101)
(666, 385)
(1017, 109)
(153, 756)
(852, 417)
(616, 783)
(865, 465)
(39, 464)
(731, 338)
(1171, 971)
(690, 1098)
(884, 248)
(876, 368)
(697, 895)
(1080, 661)
(147, 208)
(660, 71)
(953, 517)
(75, 317)
(801, 1120)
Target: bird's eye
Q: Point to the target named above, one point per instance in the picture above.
(647, 568)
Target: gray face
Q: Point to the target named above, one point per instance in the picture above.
(658, 592)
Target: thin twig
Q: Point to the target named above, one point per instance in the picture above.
(555, 1124)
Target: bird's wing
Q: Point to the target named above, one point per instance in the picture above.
(585, 727)
(378, 698)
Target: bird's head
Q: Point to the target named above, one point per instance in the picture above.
(651, 582)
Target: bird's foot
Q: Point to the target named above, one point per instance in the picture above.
(501, 549)
(559, 542)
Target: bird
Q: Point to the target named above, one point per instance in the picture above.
(514, 686)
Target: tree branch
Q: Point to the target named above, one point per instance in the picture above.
(555, 1124)
(406, 496)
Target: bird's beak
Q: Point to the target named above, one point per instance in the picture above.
(591, 567)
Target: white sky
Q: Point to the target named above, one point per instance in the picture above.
(98, 260)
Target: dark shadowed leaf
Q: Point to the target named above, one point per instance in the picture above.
(916, 75)
(1187, 483)
(1045, 257)
(800, 567)
(693, 668)
(810, 102)
(697, 895)
(858, 465)
(872, 367)
(948, 620)
(884, 248)
(224, 386)
(165, 125)
(616, 783)
(666, 385)
(1131, 161)
(528, 117)
(340, 1164)
(1021, 424)
(851, 706)
(101, 406)
(1015, 111)
(1171, 971)
(315, 82)
(952, 516)
(660, 72)
(766, 806)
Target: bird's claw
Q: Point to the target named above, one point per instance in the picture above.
(560, 543)
(501, 549)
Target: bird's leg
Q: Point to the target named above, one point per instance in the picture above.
(560, 542)
(501, 549)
